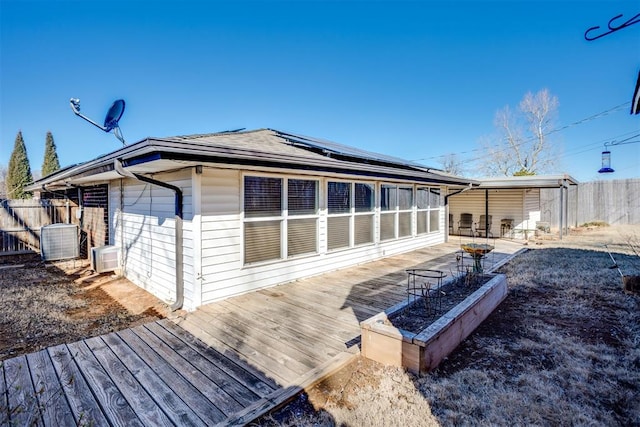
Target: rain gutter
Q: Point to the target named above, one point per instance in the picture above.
(119, 168)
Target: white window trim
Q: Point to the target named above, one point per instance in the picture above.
(351, 214)
(283, 218)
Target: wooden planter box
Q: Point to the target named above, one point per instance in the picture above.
(423, 351)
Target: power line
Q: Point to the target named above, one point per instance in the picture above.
(578, 122)
(599, 144)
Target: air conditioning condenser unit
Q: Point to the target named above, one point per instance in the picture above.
(105, 258)
(59, 241)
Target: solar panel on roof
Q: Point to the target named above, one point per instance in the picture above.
(344, 150)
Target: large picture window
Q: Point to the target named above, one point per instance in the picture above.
(280, 218)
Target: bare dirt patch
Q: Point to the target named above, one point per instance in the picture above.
(562, 349)
(45, 304)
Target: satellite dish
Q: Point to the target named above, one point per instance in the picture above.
(110, 121)
(113, 115)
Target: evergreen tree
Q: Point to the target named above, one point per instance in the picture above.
(19, 171)
(50, 164)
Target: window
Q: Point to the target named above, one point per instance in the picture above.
(263, 202)
(396, 206)
(351, 208)
(339, 197)
(422, 205)
(302, 217)
(276, 226)
(405, 208)
(302, 197)
(434, 209)
(363, 221)
(428, 209)
(388, 207)
(262, 196)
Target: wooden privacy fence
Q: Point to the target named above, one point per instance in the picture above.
(21, 221)
(614, 202)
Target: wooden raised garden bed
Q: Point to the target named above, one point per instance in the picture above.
(422, 351)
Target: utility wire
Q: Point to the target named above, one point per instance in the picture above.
(578, 122)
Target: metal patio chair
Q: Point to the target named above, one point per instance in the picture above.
(465, 223)
(484, 226)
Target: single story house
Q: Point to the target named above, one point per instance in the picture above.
(195, 219)
(513, 205)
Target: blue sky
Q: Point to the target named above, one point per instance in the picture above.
(417, 80)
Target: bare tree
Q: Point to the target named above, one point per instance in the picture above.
(523, 146)
(452, 164)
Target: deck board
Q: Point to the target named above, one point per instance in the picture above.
(21, 395)
(51, 400)
(81, 400)
(273, 332)
(242, 395)
(210, 389)
(247, 375)
(113, 403)
(222, 364)
(138, 398)
(184, 388)
(160, 392)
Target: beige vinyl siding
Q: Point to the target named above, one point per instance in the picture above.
(503, 203)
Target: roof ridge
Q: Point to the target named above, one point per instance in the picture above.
(225, 132)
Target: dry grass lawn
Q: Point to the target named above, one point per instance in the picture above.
(562, 349)
(49, 304)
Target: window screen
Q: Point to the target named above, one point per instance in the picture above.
(262, 196)
(434, 198)
(422, 222)
(387, 226)
(388, 197)
(363, 232)
(261, 241)
(364, 197)
(339, 197)
(434, 220)
(422, 198)
(338, 232)
(405, 198)
(302, 236)
(404, 224)
(302, 197)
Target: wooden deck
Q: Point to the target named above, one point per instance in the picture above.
(224, 363)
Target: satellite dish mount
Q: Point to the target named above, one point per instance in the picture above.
(110, 121)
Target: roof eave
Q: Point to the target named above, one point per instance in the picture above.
(151, 149)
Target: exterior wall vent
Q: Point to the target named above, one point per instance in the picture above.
(59, 241)
(105, 258)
